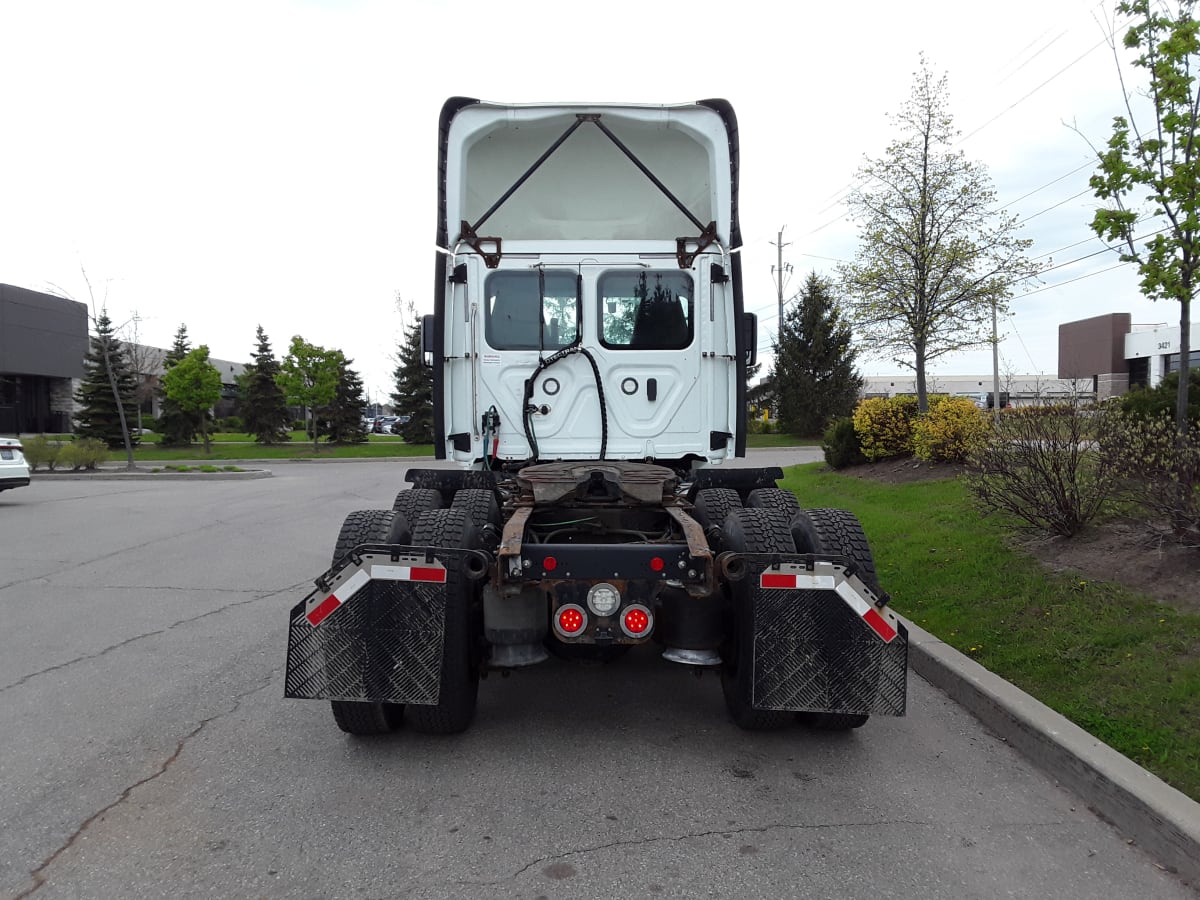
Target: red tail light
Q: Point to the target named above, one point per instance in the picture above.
(636, 621)
(570, 620)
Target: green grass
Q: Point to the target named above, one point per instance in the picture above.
(1117, 663)
(223, 450)
(780, 440)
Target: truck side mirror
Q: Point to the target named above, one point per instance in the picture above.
(427, 340)
(750, 337)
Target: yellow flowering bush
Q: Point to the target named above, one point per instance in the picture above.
(953, 428)
(885, 426)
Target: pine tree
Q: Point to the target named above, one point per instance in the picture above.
(177, 427)
(99, 416)
(342, 420)
(264, 407)
(814, 378)
(413, 396)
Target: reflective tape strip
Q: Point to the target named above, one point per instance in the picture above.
(798, 582)
(409, 573)
(347, 590)
(867, 612)
(801, 581)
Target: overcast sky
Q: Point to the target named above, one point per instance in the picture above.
(225, 165)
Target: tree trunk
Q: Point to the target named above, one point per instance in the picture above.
(1185, 352)
(204, 431)
(922, 394)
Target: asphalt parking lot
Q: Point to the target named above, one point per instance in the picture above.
(148, 751)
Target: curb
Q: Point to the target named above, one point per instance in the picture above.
(1159, 818)
(146, 475)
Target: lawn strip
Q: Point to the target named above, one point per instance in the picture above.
(1117, 663)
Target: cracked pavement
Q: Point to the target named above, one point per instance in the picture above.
(146, 750)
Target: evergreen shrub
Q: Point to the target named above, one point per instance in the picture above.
(841, 444)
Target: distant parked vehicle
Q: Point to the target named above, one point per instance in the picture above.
(384, 424)
(14, 471)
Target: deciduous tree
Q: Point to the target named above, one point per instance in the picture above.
(1150, 170)
(177, 427)
(308, 376)
(935, 255)
(194, 385)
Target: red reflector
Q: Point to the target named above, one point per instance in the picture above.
(770, 580)
(636, 621)
(550, 563)
(321, 612)
(657, 564)
(881, 625)
(570, 620)
(423, 573)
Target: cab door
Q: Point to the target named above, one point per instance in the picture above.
(649, 348)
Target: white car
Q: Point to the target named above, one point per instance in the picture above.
(14, 471)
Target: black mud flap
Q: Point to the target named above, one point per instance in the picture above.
(822, 641)
(374, 627)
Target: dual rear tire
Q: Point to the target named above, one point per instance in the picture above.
(432, 526)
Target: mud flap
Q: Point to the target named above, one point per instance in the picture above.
(374, 627)
(822, 642)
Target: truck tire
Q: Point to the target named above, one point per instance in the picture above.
(838, 531)
(452, 528)
(749, 531)
(364, 718)
(774, 498)
(409, 506)
(712, 506)
(479, 505)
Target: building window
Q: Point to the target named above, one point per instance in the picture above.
(1173, 361)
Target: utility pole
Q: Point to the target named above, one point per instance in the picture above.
(995, 365)
(780, 272)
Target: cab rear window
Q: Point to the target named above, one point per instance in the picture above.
(646, 310)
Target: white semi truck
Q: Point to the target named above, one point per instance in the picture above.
(589, 347)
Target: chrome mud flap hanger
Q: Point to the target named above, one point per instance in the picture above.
(686, 248)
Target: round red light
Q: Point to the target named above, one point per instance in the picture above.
(657, 564)
(636, 621)
(570, 620)
(550, 563)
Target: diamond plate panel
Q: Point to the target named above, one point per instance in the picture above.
(813, 653)
(383, 643)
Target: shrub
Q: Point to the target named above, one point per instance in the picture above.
(952, 429)
(149, 422)
(1044, 468)
(231, 424)
(884, 426)
(1151, 403)
(85, 453)
(40, 451)
(841, 444)
(1159, 468)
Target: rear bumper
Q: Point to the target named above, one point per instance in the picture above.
(13, 481)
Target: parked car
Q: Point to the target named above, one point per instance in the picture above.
(14, 471)
(383, 425)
